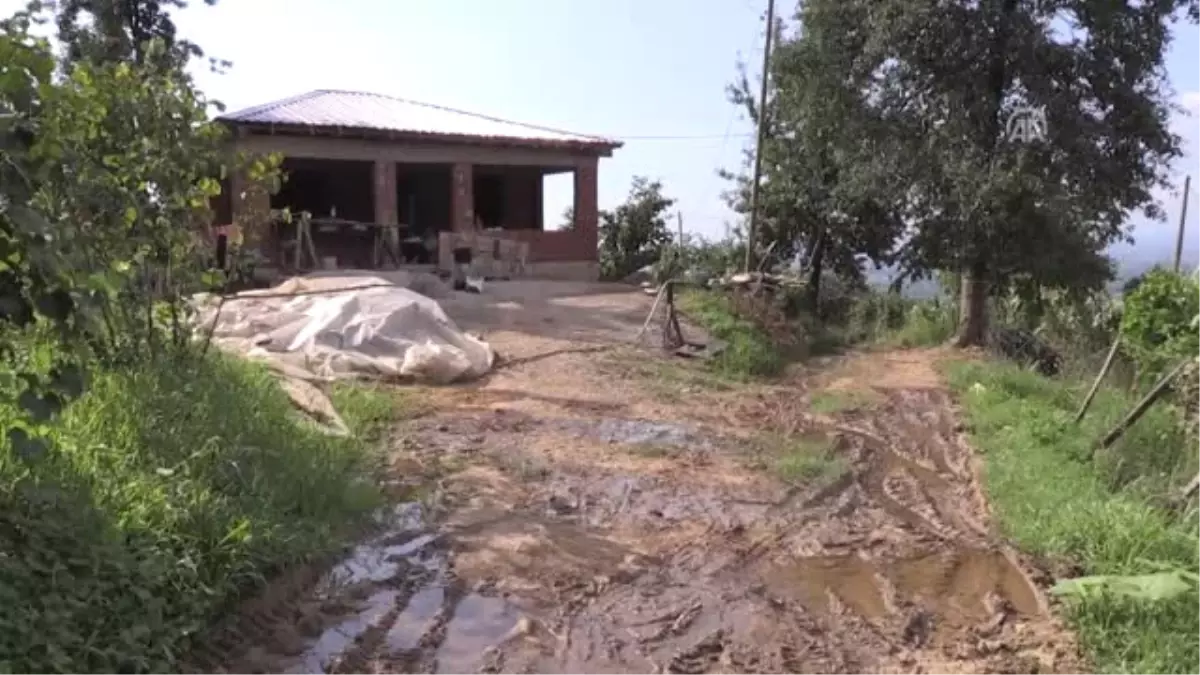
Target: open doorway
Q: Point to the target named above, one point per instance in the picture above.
(423, 196)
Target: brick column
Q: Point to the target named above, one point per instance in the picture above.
(587, 209)
(462, 199)
(385, 193)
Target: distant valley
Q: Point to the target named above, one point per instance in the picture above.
(1155, 245)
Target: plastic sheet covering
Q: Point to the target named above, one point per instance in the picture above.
(332, 326)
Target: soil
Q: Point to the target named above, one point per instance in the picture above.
(597, 507)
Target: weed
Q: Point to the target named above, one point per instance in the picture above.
(832, 401)
(1053, 499)
(801, 459)
(173, 488)
(371, 409)
(749, 351)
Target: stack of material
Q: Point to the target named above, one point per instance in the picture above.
(493, 254)
(331, 326)
(758, 280)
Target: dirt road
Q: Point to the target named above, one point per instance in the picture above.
(610, 510)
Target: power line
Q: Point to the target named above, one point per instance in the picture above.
(697, 137)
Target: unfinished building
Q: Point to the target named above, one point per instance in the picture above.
(394, 182)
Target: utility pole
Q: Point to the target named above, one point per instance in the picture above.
(762, 134)
(1187, 184)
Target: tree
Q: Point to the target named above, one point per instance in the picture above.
(947, 77)
(121, 30)
(633, 234)
(813, 201)
(38, 283)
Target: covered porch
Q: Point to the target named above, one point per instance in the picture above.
(414, 201)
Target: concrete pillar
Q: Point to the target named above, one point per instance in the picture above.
(587, 208)
(385, 193)
(462, 198)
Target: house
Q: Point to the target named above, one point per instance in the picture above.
(359, 162)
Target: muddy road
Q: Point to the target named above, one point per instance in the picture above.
(613, 511)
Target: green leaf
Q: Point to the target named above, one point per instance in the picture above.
(1146, 587)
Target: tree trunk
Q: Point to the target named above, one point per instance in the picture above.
(972, 309)
(815, 265)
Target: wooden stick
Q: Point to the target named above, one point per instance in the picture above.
(1142, 406)
(672, 328)
(650, 316)
(1108, 361)
(1191, 489)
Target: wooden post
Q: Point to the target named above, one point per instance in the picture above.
(762, 134)
(1108, 361)
(1187, 184)
(1143, 405)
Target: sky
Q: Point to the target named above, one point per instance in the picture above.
(619, 68)
(650, 72)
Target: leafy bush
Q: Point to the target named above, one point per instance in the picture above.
(894, 319)
(926, 323)
(1157, 328)
(171, 492)
(635, 233)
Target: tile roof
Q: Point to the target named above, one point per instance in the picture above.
(327, 108)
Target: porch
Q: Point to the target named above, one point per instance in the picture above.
(412, 211)
(385, 197)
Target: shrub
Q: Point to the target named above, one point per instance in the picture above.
(169, 492)
(1157, 328)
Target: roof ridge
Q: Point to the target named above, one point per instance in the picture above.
(271, 105)
(435, 106)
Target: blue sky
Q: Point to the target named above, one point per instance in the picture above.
(622, 68)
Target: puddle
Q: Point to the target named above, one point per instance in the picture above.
(956, 585)
(334, 641)
(416, 618)
(479, 622)
(398, 553)
(850, 579)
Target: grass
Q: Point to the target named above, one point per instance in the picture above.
(1052, 499)
(801, 459)
(749, 351)
(831, 401)
(170, 491)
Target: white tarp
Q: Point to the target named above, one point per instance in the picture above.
(345, 325)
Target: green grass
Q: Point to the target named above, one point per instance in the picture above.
(830, 401)
(170, 492)
(1052, 499)
(801, 459)
(749, 351)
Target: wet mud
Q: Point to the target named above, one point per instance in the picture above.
(582, 541)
